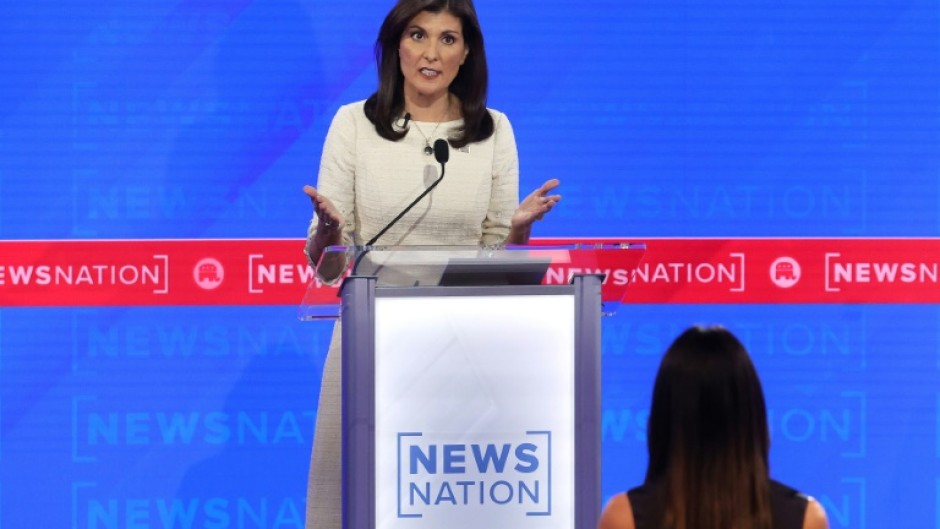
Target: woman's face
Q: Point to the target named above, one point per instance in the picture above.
(431, 51)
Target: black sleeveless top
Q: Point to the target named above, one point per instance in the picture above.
(787, 505)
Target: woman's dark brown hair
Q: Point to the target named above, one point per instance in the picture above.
(708, 438)
(386, 105)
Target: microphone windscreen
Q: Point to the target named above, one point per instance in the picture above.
(441, 151)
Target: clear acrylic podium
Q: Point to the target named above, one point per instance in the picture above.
(471, 383)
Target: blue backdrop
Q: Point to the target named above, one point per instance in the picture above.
(203, 119)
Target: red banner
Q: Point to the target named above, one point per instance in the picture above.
(274, 272)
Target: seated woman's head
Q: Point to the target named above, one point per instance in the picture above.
(707, 431)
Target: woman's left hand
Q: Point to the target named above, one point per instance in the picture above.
(533, 208)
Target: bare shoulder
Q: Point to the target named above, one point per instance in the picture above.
(618, 514)
(815, 517)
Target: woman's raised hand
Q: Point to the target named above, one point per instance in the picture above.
(329, 219)
(531, 209)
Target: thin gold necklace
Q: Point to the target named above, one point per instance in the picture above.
(428, 150)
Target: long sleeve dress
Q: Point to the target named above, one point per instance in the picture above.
(370, 180)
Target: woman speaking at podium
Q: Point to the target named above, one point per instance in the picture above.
(708, 443)
(380, 154)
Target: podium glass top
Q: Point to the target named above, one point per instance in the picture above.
(445, 266)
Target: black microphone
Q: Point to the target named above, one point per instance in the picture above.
(441, 154)
(407, 119)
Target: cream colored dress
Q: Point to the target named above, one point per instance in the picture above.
(371, 180)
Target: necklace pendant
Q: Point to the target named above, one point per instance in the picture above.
(428, 149)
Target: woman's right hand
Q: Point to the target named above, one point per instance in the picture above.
(329, 232)
(329, 220)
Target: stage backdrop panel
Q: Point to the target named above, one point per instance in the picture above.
(201, 119)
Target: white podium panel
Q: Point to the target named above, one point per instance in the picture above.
(474, 412)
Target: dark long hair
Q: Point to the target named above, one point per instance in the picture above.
(470, 85)
(707, 436)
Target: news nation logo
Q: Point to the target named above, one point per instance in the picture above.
(97, 506)
(845, 272)
(100, 429)
(147, 275)
(715, 271)
(512, 475)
